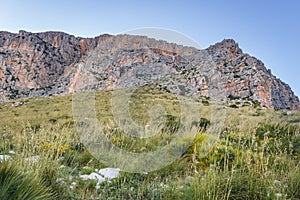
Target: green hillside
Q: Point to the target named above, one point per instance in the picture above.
(256, 156)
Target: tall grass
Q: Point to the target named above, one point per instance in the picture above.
(256, 156)
(15, 185)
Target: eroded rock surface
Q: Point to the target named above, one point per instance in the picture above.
(53, 63)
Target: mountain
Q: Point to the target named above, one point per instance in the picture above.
(53, 63)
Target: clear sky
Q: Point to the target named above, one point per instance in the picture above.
(266, 29)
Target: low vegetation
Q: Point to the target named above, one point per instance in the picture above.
(256, 156)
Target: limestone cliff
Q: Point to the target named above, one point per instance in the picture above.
(53, 63)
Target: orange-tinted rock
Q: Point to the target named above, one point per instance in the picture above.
(53, 63)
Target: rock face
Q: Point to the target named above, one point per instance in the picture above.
(53, 63)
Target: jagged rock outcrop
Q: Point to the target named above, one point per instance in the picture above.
(246, 77)
(52, 63)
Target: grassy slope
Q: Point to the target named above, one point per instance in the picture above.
(257, 156)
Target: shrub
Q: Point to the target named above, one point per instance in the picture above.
(205, 102)
(232, 97)
(233, 106)
(204, 123)
(172, 124)
(15, 185)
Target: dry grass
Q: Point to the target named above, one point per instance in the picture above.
(257, 156)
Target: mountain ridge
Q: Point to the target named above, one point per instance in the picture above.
(54, 63)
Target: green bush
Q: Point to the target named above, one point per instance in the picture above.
(233, 106)
(204, 123)
(232, 97)
(280, 138)
(172, 124)
(16, 185)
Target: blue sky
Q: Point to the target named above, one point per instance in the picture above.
(268, 30)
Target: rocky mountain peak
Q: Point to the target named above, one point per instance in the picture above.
(228, 48)
(53, 63)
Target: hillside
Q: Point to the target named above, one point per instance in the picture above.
(54, 63)
(255, 157)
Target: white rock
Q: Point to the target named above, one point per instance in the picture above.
(4, 157)
(109, 173)
(278, 195)
(97, 186)
(101, 175)
(73, 185)
(93, 176)
(11, 152)
(33, 159)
